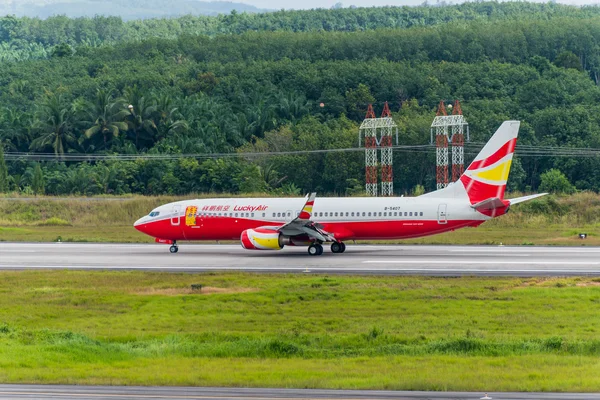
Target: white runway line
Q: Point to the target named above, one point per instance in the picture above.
(486, 262)
(301, 269)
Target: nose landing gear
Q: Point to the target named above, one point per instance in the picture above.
(174, 248)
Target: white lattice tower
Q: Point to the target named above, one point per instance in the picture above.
(378, 132)
(458, 143)
(441, 156)
(387, 160)
(369, 131)
(458, 152)
(441, 146)
(448, 129)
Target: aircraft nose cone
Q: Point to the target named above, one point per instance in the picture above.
(140, 224)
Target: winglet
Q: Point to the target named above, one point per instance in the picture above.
(306, 212)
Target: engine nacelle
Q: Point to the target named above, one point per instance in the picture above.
(261, 239)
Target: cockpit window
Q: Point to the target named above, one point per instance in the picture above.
(155, 213)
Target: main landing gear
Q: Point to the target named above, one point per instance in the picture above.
(338, 247)
(316, 249)
(174, 248)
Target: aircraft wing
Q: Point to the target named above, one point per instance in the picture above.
(303, 225)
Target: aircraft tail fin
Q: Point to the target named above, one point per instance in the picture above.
(487, 175)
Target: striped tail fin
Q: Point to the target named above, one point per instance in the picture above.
(487, 175)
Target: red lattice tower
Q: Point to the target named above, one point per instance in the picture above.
(458, 145)
(441, 148)
(386, 113)
(449, 129)
(441, 111)
(370, 152)
(441, 151)
(378, 133)
(370, 112)
(387, 175)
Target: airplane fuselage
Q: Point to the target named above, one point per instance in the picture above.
(347, 218)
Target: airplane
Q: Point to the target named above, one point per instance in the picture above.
(273, 223)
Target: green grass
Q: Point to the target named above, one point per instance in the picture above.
(300, 331)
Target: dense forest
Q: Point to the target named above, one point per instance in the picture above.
(245, 102)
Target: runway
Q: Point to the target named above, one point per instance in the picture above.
(358, 259)
(172, 393)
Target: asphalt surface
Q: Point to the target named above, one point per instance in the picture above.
(379, 260)
(169, 393)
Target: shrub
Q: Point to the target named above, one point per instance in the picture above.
(54, 222)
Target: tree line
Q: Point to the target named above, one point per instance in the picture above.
(272, 92)
(35, 38)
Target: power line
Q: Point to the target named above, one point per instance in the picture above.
(470, 148)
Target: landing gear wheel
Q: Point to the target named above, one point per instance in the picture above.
(315, 249)
(174, 249)
(343, 247)
(336, 247)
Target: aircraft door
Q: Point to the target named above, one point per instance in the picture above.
(442, 214)
(176, 217)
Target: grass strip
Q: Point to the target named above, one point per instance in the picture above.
(421, 333)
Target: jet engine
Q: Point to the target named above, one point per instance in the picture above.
(261, 239)
(268, 239)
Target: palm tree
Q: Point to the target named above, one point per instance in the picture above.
(54, 126)
(170, 120)
(15, 130)
(106, 116)
(141, 111)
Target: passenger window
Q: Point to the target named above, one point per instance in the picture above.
(236, 214)
(410, 214)
(353, 213)
(364, 213)
(405, 214)
(326, 214)
(395, 213)
(369, 213)
(274, 215)
(336, 214)
(252, 215)
(421, 213)
(380, 213)
(279, 215)
(264, 215)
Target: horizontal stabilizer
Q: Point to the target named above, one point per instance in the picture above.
(490, 204)
(526, 198)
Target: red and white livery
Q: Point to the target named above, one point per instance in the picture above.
(273, 223)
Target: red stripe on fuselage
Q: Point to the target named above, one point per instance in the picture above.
(508, 148)
(227, 228)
